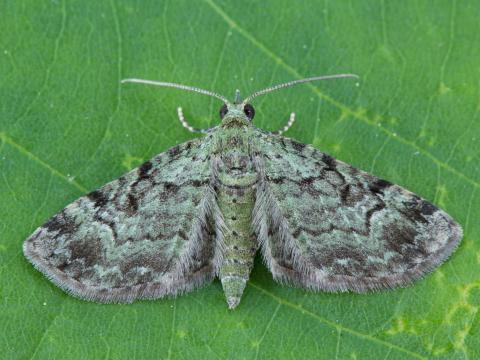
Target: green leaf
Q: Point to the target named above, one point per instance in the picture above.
(67, 127)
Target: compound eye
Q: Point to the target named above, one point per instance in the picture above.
(223, 111)
(249, 111)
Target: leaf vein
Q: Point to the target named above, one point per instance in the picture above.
(8, 140)
(116, 109)
(335, 325)
(49, 67)
(269, 324)
(42, 338)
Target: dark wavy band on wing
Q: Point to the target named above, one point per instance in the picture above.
(325, 225)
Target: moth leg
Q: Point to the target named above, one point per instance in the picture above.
(290, 122)
(187, 126)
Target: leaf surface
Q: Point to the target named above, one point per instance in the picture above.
(67, 126)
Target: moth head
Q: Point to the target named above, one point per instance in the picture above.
(238, 109)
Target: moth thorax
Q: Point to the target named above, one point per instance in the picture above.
(235, 122)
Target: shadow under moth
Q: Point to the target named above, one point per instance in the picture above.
(202, 209)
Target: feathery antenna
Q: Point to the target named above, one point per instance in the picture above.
(295, 82)
(178, 86)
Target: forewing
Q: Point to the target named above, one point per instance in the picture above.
(323, 224)
(145, 235)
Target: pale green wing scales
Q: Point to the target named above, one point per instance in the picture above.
(325, 225)
(147, 234)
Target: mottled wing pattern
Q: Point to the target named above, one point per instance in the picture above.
(145, 235)
(325, 225)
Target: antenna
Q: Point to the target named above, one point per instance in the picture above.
(296, 82)
(178, 86)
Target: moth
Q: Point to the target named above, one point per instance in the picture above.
(202, 209)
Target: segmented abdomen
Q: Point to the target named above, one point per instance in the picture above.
(236, 197)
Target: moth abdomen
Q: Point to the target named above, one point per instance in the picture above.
(236, 205)
(235, 197)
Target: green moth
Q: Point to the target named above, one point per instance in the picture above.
(203, 209)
